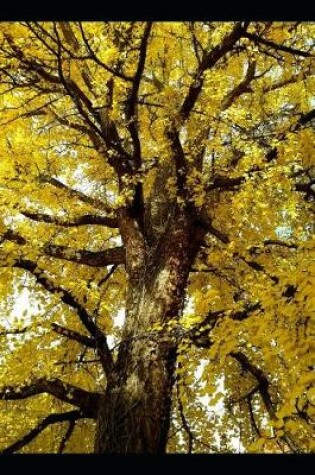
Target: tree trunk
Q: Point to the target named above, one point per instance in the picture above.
(135, 414)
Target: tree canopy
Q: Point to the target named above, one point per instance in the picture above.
(109, 131)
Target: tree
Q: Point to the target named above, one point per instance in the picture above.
(166, 171)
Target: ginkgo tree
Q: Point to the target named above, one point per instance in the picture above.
(157, 203)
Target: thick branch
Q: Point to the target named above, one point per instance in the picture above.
(131, 105)
(98, 204)
(307, 188)
(209, 60)
(79, 221)
(74, 335)
(115, 255)
(68, 299)
(225, 183)
(88, 402)
(256, 266)
(277, 242)
(260, 377)
(133, 126)
(276, 46)
(241, 88)
(178, 157)
(305, 118)
(11, 235)
(199, 334)
(133, 240)
(70, 417)
(263, 385)
(205, 222)
(16, 331)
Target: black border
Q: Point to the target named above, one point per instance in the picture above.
(217, 463)
(214, 10)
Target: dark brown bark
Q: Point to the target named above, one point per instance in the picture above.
(86, 401)
(135, 414)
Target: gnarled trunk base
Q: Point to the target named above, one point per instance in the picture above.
(135, 414)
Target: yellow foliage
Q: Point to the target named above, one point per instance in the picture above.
(73, 158)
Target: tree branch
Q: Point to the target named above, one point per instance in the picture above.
(67, 435)
(65, 296)
(205, 222)
(199, 334)
(260, 377)
(131, 110)
(108, 275)
(263, 386)
(88, 402)
(11, 235)
(226, 183)
(209, 60)
(281, 83)
(13, 332)
(98, 204)
(95, 58)
(256, 266)
(307, 188)
(185, 423)
(115, 255)
(241, 88)
(178, 157)
(304, 118)
(73, 335)
(252, 416)
(74, 92)
(70, 417)
(277, 242)
(131, 104)
(245, 396)
(287, 49)
(78, 221)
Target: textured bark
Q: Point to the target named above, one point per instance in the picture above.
(135, 414)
